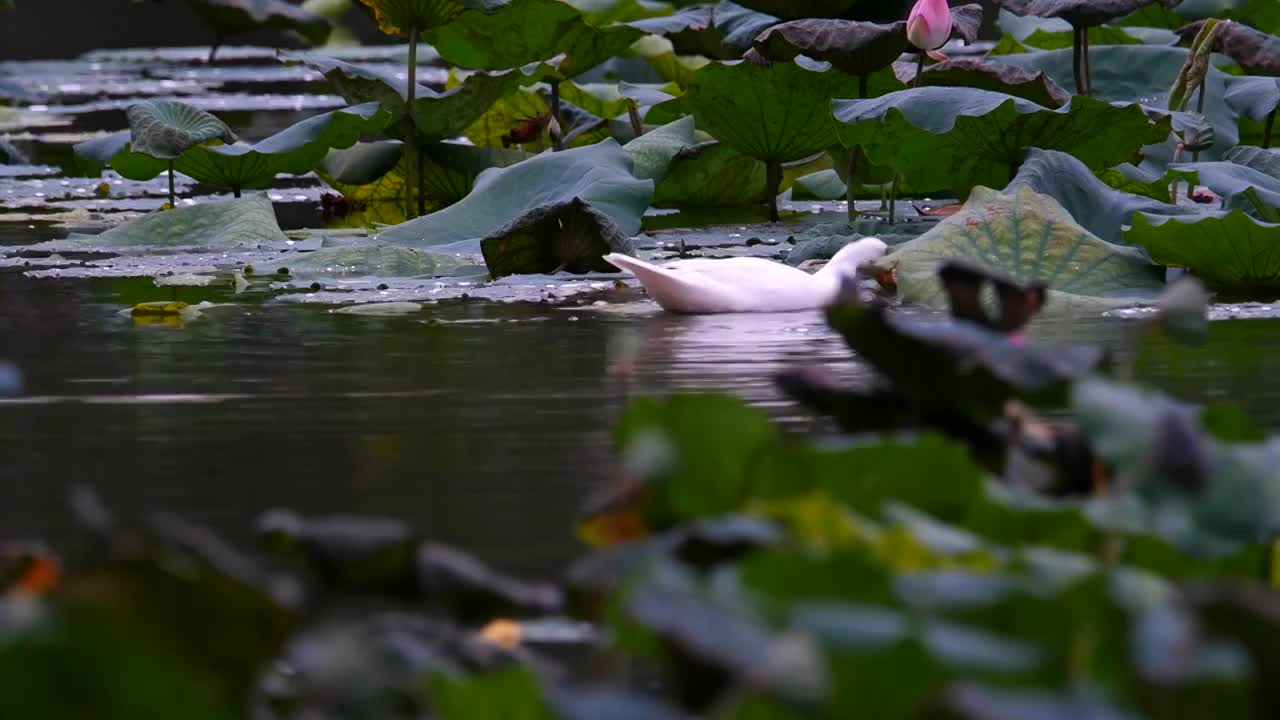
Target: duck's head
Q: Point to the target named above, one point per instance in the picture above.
(856, 254)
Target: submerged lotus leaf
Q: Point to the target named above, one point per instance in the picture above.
(1233, 253)
(376, 260)
(993, 76)
(1255, 51)
(565, 237)
(1100, 209)
(293, 151)
(231, 17)
(398, 17)
(167, 128)
(1030, 238)
(244, 222)
(598, 174)
(528, 31)
(779, 113)
(957, 138)
(1081, 13)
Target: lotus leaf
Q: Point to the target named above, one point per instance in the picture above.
(739, 25)
(822, 185)
(1082, 13)
(166, 128)
(1233, 253)
(691, 31)
(399, 17)
(955, 138)
(1265, 161)
(570, 237)
(231, 17)
(376, 260)
(1255, 51)
(511, 693)
(294, 151)
(851, 9)
(1029, 237)
(1100, 209)
(714, 176)
(994, 76)
(600, 175)
(652, 153)
(245, 222)
(660, 53)
(528, 31)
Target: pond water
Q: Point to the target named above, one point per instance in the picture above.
(486, 424)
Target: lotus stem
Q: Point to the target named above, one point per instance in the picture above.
(235, 191)
(637, 125)
(851, 182)
(1077, 64)
(172, 197)
(773, 181)
(893, 199)
(556, 142)
(1173, 191)
(862, 86)
(1195, 156)
(411, 142)
(1084, 61)
(1266, 132)
(915, 82)
(217, 43)
(422, 186)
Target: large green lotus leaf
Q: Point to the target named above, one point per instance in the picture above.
(597, 174)
(691, 30)
(1029, 237)
(660, 53)
(1233, 253)
(565, 237)
(1252, 96)
(528, 31)
(778, 113)
(293, 151)
(876, 10)
(603, 100)
(606, 12)
(398, 17)
(955, 138)
(1100, 209)
(718, 176)
(248, 221)
(517, 120)
(436, 115)
(230, 17)
(167, 128)
(1145, 73)
(1056, 33)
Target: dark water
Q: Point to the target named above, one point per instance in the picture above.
(485, 424)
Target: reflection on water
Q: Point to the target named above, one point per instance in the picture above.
(486, 425)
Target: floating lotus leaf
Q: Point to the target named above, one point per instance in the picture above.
(1255, 51)
(1100, 209)
(566, 237)
(528, 31)
(1233, 253)
(1030, 238)
(957, 138)
(244, 222)
(231, 17)
(398, 17)
(375, 260)
(293, 151)
(1081, 13)
(167, 128)
(998, 77)
(598, 174)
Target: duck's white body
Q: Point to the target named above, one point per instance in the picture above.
(746, 284)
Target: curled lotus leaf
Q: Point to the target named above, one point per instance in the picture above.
(1080, 13)
(855, 47)
(739, 25)
(167, 128)
(566, 237)
(875, 10)
(1255, 51)
(1033, 85)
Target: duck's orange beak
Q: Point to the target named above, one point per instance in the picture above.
(888, 280)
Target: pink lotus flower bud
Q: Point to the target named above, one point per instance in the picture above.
(929, 24)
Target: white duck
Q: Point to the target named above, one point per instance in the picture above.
(747, 284)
